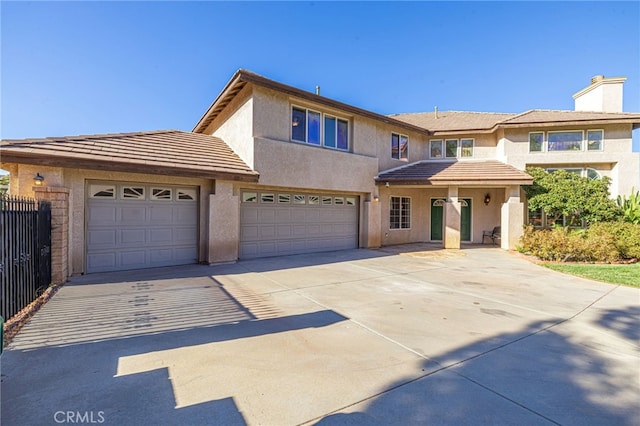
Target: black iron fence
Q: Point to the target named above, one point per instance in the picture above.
(25, 252)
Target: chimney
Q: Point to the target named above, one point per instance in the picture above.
(602, 95)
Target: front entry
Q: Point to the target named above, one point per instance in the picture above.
(465, 220)
(437, 219)
(437, 216)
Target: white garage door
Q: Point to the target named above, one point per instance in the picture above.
(276, 223)
(132, 226)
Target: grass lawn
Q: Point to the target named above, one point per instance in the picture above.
(616, 274)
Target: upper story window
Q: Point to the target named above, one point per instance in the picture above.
(536, 141)
(399, 146)
(435, 149)
(572, 140)
(453, 148)
(594, 140)
(316, 128)
(564, 141)
(466, 148)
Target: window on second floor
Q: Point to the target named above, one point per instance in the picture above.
(435, 149)
(573, 140)
(453, 148)
(594, 140)
(564, 141)
(399, 146)
(316, 128)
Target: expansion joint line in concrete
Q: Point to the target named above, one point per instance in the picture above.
(449, 367)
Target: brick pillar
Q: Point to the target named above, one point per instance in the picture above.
(59, 199)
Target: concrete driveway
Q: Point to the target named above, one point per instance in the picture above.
(407, 335)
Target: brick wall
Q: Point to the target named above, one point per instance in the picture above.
(59, 199)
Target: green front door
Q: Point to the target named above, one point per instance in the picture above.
(465, 220)
(437, 215)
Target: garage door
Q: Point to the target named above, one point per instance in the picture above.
(279, 223)
(132, 226)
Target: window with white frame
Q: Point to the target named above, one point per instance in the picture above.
(536, 141)
(451, 148)
(435, 148)
(594, 140)
(580, 171)
(466, 148)
(564, 141)
(399, 146)
(316, 128)
(400, 213)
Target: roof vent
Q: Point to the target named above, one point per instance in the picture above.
(597, 78)
(318, 90)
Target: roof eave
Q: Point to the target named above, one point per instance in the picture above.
(131, 167)
(242, 77)
(457, 182)
(557, 123)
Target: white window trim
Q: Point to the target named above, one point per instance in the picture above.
(582, 143)
(473, 147)
(441, 149)
(400, 135)
(153, 197)
(586, 141)
(410, 218)
(322, 130)
(457, 148)
(543, 148)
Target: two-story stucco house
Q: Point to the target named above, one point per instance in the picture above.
(270, 169)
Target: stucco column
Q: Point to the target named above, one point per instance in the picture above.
(59, 199)
(224, 224)
(512, 218)
(372, 227)
(452, 211)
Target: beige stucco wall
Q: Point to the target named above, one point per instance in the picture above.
(75, 181)
(235, 126)
(484, 146)
(483, 218)
(368, 137)
(616, 160)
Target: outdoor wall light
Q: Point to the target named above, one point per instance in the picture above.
(376, 198)
(487, 199)
(38, 179)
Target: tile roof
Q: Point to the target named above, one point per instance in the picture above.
(538, 116)
(448, 173)
(167, 152)
(454, 120)
(461, 121)
(242, 77)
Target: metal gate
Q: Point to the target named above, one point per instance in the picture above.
(25, 252)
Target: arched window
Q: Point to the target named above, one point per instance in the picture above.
(592, 174)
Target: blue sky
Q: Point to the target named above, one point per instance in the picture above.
(104, 67)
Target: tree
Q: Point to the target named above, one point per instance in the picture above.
(4, 183)
(577, 198)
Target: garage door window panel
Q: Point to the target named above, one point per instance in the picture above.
(102, 191)
(161, 194)
(187, 194)
(132, 193)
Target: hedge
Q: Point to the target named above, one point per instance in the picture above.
(608, 242)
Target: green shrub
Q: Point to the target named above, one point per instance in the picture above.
(597, 244)
(626, 236)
